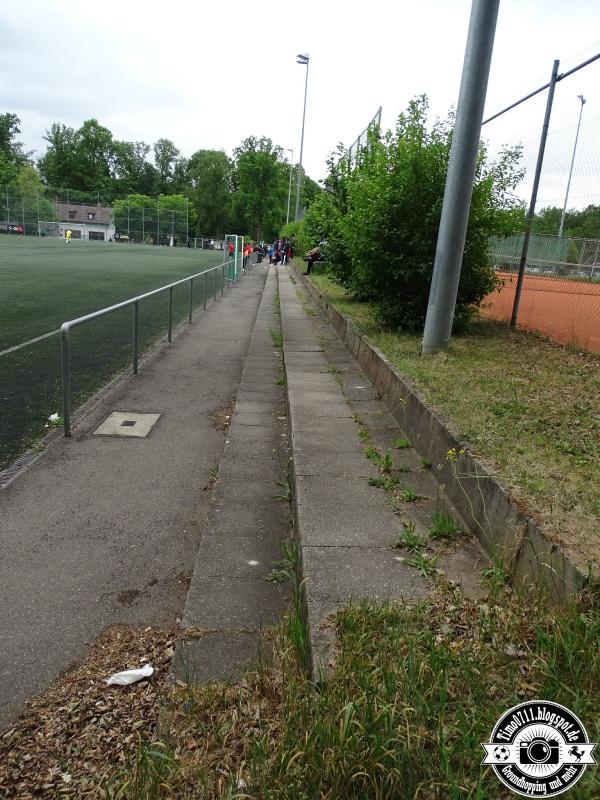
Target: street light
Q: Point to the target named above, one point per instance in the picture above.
(287, 219)
(301, 58)
(564, 211)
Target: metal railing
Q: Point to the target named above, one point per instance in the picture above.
(66, 327)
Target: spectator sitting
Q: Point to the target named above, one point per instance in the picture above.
(312, 256)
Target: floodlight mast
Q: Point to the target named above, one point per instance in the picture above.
(564, 211)
(289, 150)
(461, 173)
(301, 58)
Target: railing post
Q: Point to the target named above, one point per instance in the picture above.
(170, 326)
(204, 291)
(214, 271)
(191, 299)
(135, 336)
(222, 278)
(66, 381)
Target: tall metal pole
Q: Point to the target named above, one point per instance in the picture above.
(534, 191)
(187, 220)
(564, 211)
(158, 222)
(287, 219)
(301, 59)
(461, 173)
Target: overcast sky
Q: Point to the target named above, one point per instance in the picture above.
(208, 74)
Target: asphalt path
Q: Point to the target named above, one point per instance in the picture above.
(105, 529)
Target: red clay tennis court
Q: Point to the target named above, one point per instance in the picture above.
(565, 310)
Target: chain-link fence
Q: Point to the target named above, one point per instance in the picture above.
(560, 293)
(558, 252)
(124, 221)
(353, 152)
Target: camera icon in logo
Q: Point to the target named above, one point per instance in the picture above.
(539, 750)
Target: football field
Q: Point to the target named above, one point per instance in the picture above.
(43, 283)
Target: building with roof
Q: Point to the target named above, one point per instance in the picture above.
(85, 221)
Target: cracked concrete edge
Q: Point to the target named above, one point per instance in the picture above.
(239, 648)
(328, 575)
(531, 553)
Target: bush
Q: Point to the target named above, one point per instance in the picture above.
(381, 219)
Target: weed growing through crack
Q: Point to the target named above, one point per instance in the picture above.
(410, 539)
(214, 472)
(401, 444)
(409, 495)
(280, 381)
(426, 463)
(285, 496)
(387, 463)
(277, 338)
(372, 453)
(387, 484)
(444, 526)
(424, 564)
(363, 435)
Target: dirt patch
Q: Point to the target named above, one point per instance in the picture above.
(128, 597)
(221, 417)
(81, 732)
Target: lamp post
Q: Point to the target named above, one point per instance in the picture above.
(301, 58)
(564, 211)
(287, 219)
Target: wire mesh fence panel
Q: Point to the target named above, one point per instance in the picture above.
(560, 292)
(30, 377)
(30, 392)
(560, 296)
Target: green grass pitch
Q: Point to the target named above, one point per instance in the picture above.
(43, 283)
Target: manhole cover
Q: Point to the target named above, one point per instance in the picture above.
(123, 423)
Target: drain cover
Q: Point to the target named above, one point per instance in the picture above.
(124, 423)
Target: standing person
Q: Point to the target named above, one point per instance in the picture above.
(68, 234)
(270, 253)
(289, 253)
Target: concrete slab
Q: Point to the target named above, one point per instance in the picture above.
(348, 574)
(328, 442)
(247, 418)
(127, 423)
(327, 463)
(344, 512)
(307, 410)
(240, 557)
(222, 656)
(266, 406)
(317, 423)
(233, 603)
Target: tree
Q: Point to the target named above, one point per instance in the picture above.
(166, 156)
(209, 177)
(94, 162)
(34, 205)
(385, 214)
(56, 165)
(11, 150)
(133, 172)
(82, 159)
(260, 183)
